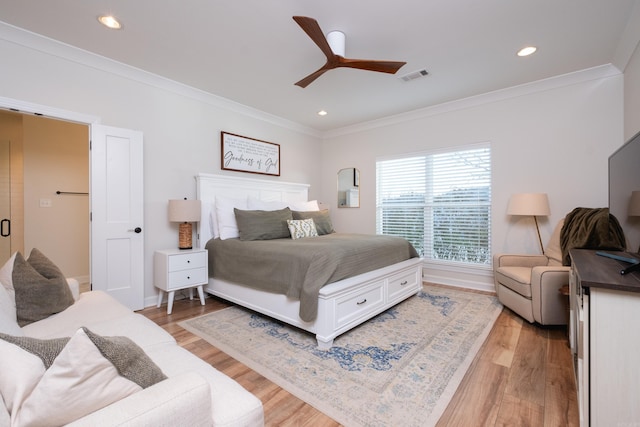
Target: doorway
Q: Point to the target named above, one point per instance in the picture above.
(45, 194)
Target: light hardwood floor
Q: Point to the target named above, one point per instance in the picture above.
(522, 375)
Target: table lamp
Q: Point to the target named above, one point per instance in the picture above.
(185, 212)
(530, 204)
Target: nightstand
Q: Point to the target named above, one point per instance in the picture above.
(176, 269)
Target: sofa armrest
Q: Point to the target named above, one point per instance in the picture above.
(511, 260)
(549, 304)
(183, 400)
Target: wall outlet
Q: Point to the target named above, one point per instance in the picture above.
(45, 203)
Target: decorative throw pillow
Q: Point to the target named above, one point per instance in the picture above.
(8, 322)
(227, 226)
(263, 225)
(41, 288)
(22, 369)
(299, 228)
(6, 274)
(321, 219)
(88, 373)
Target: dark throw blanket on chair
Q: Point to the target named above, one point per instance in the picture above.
(590, 228)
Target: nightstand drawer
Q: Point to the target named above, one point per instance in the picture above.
(187, 278)
(187, 261)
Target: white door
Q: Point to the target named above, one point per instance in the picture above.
(117, 242)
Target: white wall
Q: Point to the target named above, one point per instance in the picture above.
(553, 137)
(181, 127)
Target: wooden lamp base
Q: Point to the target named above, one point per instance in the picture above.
(184, 240)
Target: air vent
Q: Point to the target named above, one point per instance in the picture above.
(414, 75)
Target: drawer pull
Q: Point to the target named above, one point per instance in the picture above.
(404, 283)
(362, 302)
(188, 277)
(188, 261)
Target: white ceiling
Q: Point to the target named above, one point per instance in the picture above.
(252, 52)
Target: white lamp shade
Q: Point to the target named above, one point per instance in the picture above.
(184, 210)
(531, 204)
(634, 204)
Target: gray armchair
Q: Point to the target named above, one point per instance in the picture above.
(530, 284)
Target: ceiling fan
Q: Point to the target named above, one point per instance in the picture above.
(333, 48)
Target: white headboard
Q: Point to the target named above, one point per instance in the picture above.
(208, 186)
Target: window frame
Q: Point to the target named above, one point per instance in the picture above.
(428, 205)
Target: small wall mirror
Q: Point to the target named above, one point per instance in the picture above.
(349, 188)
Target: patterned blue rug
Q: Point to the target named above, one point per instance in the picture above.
(400, 368)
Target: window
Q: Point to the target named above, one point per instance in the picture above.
(440, 202)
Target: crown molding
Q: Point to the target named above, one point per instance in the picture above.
(65, 51)
(563, 80)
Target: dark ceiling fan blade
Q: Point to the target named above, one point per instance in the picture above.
(311, 77)
(390, 67)
(312, 28)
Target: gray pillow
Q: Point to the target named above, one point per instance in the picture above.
(263, 225)
(320, 218)
(41, 288)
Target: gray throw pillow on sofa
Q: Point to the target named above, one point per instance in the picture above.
(263, 225)
(321, 219)
(41, 288)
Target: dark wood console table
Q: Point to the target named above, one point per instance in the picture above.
(604, 332)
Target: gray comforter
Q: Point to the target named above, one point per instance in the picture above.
(299, 268)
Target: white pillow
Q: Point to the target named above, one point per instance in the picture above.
(227, 226)
(300, 228)
(311, 205)
(8, 319)
(213, 221)
(21, 371)
(261, 205)
(80, 381)
(6, 277)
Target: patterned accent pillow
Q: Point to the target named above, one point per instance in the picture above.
(320, 218)
(300, 228)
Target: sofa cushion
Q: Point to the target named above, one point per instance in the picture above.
(17, 383)
(41, 288)
(518, 279)
(8, 322)
(6, 277)
(553, 250)
(102, 314)
(82, 374)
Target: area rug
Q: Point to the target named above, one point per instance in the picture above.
(400, 368)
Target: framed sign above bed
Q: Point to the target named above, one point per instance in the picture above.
(243, 154)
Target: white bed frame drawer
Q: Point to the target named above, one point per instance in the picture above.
(359, 304)
(403, 285)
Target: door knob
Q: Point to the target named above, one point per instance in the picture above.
(136, 230)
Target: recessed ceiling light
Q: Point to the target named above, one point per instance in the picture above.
(110, 21)
(526, 51)
(322, 113)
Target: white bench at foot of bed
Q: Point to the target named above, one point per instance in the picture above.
(342, 305)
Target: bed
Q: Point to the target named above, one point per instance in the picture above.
(341, 305)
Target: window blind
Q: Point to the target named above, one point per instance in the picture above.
(440, 202)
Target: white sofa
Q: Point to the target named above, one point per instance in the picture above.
(194, 394)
